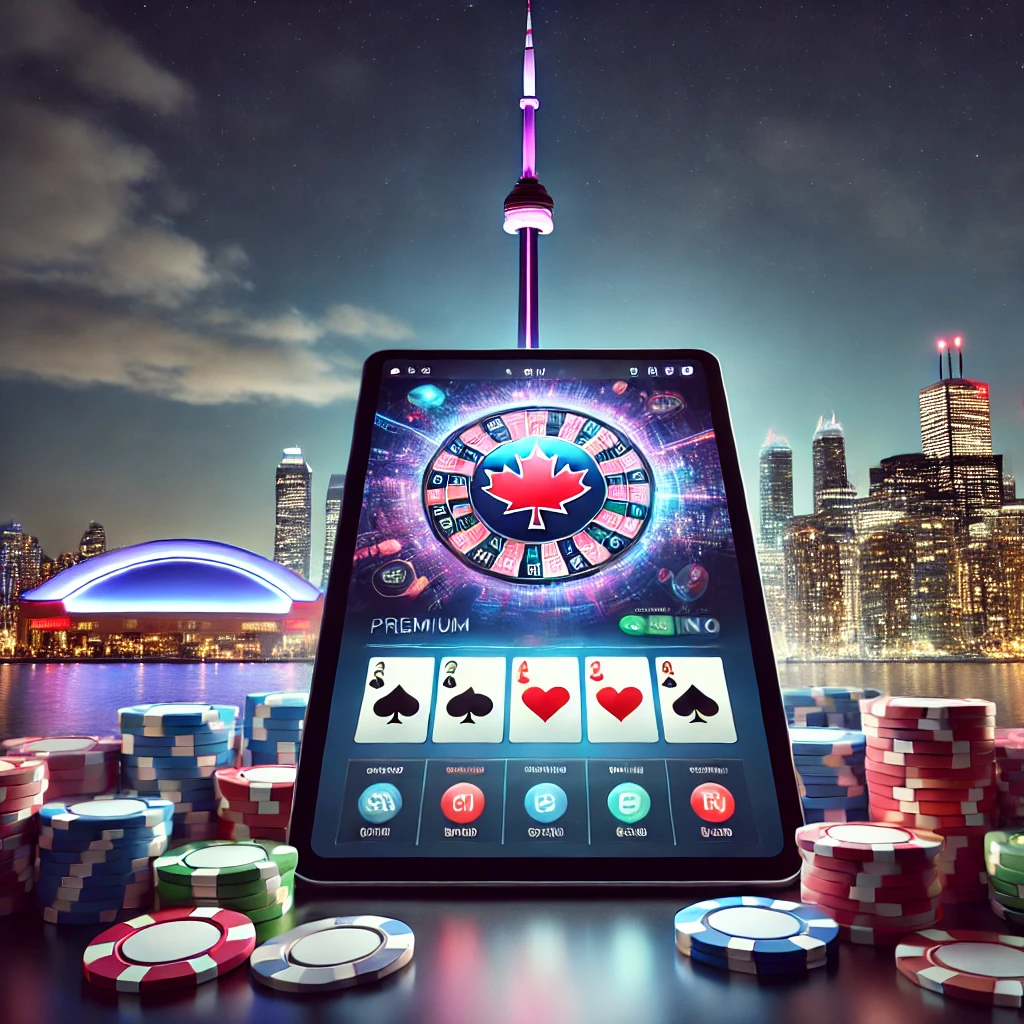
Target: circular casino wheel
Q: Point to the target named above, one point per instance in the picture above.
(535, 495)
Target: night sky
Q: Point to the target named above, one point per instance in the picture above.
(210, 213)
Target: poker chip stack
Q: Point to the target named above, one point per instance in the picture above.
(77, 766)
(757, 935)
(95, 857)
(930, 764)
(171, 751)
(254, 803)
(272, 728)
(22, 788)
(255, 878)
(1004, 862)
(825, 706)
(830, 766)
(1010, 773)
(877, 881)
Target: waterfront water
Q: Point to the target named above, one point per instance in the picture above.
(51, 699)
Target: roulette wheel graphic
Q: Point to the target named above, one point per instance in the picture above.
(538, 495)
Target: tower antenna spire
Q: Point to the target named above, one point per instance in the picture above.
(528, 206)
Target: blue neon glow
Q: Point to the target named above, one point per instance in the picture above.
(177, 576)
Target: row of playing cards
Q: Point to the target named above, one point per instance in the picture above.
(545, 705)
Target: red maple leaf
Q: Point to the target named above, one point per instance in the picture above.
(536, 486)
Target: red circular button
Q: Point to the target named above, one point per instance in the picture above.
(463, 803)
(712, 802)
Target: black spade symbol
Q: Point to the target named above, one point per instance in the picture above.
(670, 682)
(396, 703)
(378, 676)
(470, 703)
(695, 702)
(449, 682)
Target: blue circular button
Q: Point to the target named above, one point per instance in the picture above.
(546, 802)
(380, 802)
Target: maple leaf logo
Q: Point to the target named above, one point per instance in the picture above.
(536, 486)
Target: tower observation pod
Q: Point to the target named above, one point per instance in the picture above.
(528, 207)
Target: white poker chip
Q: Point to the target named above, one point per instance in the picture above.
(337, 952)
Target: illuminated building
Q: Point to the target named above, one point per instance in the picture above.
(994, 582)
(911, 483)
(528, 206)
(1009, 487)
(292, 524)
(173, 599)
(935, 606)
(93, 542)
(776, 479)
(828, 450)
(815, 611)
(12, 544)
(886, 584)
(31, 563)
(335, 492)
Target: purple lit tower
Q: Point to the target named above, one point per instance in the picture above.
(528, 206)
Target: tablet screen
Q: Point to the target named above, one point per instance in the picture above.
(544, 651)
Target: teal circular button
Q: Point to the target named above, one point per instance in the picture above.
(546, 802)
(629, 802)
(380, 802)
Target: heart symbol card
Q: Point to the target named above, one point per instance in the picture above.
(695, 706)
(545, 706)
(620, 700)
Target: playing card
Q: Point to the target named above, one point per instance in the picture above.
(396, 700)
(694, 700)
(470, 700)
(545, 706)
(620, 704)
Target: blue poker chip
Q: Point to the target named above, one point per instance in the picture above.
(273, 746)
(92, 873)
(164, 746)
(134, 774)
(809, 742)
(175, 715)
(49, 891)
(62, 842)
(755, 967)
(199, 760)
(111, 854)
(756, 928)
(179, 735)
(85, 816)
(276, 704)
(101, 915)
(270, 728)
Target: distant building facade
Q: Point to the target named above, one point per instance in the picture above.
(93, 542)
(775, 471)
(293, 518)
(335, 493)
(828, 453)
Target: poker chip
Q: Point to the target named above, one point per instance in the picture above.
(334, 953)
(21, 771)
(283, 885)
(169, 949)
(122, 812)
(143, 716)
(228, 863)
(1014, 918)
(826, 741)
(53, 915)
(236, 831)
(869, 841)
(981, 967)
(65, 752)
(178, 745)
(928, 707)
(113, 854)
(928, 746)
(258, 784)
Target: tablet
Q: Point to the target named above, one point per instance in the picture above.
(544, 655)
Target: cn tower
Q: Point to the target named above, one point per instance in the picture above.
(528, 206)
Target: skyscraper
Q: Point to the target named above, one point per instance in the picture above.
(816, 606)
(886, 589)
(12, 546)
(776, 480)
(93, 542)
(528, 206)
(335, 492)
(828, 449)
(294, 512)
(956, 430)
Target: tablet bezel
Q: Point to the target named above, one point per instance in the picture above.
(489, 870)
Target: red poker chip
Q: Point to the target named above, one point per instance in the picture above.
(891, 792)
(937, 762)
(862, 917)
(878, 935)
(18, 792)
(908, 881)
(1010, 742)
(979, 737)
(925, 821)
(865, 841)
(257, 784)
(880, 779)
(21, 771)
(965, 879)
(976, 776)
(235, 830)
(872, 896)
(93, 771)
(877, 908)
(1011, 788)
(169, 949)
(853, 867)
(928, 746)
(256, 820)
(927, 707)
(257, 806)
(66, 752)
(933, 807)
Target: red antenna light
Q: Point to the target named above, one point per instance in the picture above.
(942, 348)
(958, 341)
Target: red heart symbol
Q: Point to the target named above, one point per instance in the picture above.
(620, 703)
(544, 703)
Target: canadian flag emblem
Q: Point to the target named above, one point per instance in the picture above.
(535, 486)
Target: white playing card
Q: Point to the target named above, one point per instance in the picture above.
(545, 706)
(708, 676)
(461, 716)
(620, 705)
(402, 724)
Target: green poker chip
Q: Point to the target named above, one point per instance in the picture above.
(1005, 874)
(267, 930)
(222, 862)
(275, 911)
(1005, 850)
(174, 888)
(244, 904)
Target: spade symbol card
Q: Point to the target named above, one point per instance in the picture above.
(620, 701)
(546, 709)
(396, 700)
(472, 709)
(694, 699)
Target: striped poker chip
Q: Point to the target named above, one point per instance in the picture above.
(981, 738)
(169, 949)
(929, 707)
(941, 762)
(1010, 743)
(277, 704)
(826, 741)
(186, 759)
(1014, 918)
(755, 928)
(981, 967)
(930, 822)
(216, 861)
(1005, 849)
(184, 743)
(929, 746)
(21, 771)
(258, 784)
(760, 968)
(937, 795)
(177, 888)
(270, 807)
(810, 789)
(114, 812)
(914, 912)
(872, 895)
(178, 715)
(65, 752)
(335, 953)
(237, 832)
(283, 885)
(864, 841)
